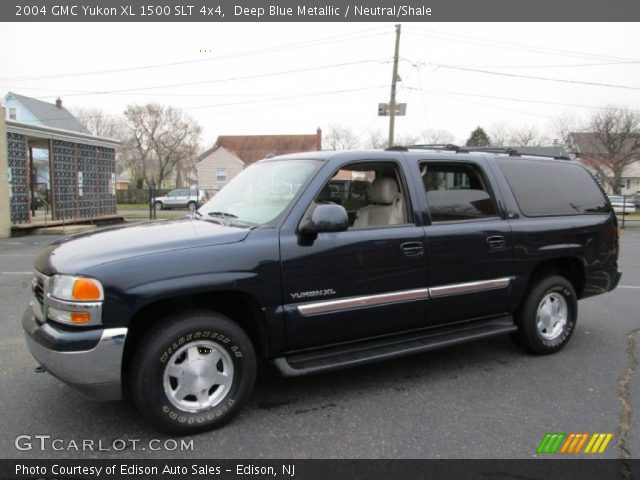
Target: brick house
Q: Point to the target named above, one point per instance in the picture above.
(233, 153)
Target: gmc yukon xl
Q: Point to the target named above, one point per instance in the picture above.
(320, 261)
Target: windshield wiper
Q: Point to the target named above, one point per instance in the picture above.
(222, 214)
(223, 217)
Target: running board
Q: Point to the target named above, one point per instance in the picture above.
(345, 356)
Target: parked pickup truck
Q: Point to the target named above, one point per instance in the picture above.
(320, 261)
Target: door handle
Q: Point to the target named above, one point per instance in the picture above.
(496, 241)
(412, 249)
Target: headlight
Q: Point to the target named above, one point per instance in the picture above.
(76, 289)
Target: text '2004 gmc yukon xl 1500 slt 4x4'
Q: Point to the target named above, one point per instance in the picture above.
(320, 261)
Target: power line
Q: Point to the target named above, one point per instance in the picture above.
(451, 97)
(229, 79)
(283, 47)
(468, 39)
(274, 99)
(532, 77)
(552, 65)
(513, 99)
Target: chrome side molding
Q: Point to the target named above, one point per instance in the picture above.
(469, 287)
(364, 301)
(351, 303)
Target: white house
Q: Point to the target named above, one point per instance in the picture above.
(233, 153)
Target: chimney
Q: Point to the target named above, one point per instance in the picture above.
(59, 103)
(319, 139)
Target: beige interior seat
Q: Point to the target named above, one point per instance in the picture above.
(388, 208)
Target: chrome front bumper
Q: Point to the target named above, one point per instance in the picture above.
(89, 360)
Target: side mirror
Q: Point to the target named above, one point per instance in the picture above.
(326, 218)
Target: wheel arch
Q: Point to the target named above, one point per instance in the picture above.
(569, 267)
(238, 306)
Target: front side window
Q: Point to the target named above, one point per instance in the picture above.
(372, 193)
(260, 193)
(456, 192)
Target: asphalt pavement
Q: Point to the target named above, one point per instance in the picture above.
(481, 400)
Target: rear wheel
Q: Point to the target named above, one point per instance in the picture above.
(547, 318)
(193, 372)
(192, 206)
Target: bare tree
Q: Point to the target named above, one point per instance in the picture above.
(563, 128)
(376, 140)
(340, 137)
(501, 135)
(101, 124)
(162, 138)
(611, 144)
(406, 139)
(436, 137)
(528, 136)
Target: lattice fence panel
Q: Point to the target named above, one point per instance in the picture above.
(88, 201)
(106, 161)
(19, 165)
(65, 179)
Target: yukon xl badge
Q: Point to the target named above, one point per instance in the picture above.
(313, 294)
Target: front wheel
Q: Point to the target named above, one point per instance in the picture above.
(193, 372)
(547, 318)
(158, 205)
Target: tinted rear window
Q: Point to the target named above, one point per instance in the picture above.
(546, 187)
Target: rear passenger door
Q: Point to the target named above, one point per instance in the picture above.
(470, 263)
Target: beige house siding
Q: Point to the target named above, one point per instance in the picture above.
(208, 167)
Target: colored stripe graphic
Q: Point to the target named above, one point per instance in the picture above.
(598, 443)
(551, 442)
(573, 443)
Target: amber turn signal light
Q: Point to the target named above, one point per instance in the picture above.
(80, 317)
(86, 289)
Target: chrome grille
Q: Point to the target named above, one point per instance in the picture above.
(39, 288)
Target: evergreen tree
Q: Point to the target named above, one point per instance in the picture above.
(478, 138)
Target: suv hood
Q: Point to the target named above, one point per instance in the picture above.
(74, 254)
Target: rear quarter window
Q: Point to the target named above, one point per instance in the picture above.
(552, 187)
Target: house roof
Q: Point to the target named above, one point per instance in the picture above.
(590, 143)
(553, 151)
(49, 114)
(251, 148)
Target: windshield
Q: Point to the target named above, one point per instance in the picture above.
(260, 193)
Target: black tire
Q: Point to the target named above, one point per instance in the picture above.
(158, 205)
(160, 348)
(192, 207)
(545, 340)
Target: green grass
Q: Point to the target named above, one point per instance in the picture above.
(133, 206)
(159, 215)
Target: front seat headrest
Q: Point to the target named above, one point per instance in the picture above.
(384, 190)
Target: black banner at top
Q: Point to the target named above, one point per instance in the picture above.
(316, 10)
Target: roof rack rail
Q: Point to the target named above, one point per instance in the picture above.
(512, 152)
(435, 146)
(508, 151)
(396, 148)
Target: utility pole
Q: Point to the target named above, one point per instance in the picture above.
(392, 103)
